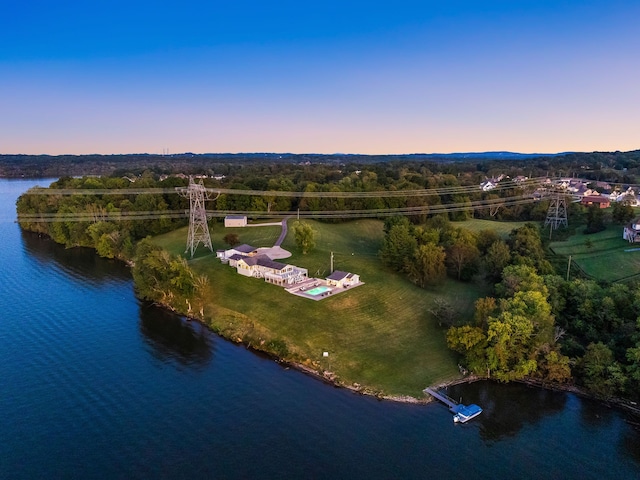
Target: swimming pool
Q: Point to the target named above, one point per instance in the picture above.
(318, 290)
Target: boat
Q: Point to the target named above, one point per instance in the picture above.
(464, 413)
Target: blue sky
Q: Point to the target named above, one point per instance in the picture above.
(356, 77)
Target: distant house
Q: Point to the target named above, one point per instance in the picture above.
(600, 200)
(343, 279)
(491, 183)
(631, 231)
(235, 221)
(487, 185)
(628, 196)
(604, 186)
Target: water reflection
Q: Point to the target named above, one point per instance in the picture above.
(594, 415)
(81, 264)
(175, 339)
(506, 410)
(630, 440)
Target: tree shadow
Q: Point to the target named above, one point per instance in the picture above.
(175, 339)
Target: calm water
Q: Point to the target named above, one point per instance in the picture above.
(94, 384)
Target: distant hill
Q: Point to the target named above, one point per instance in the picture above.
(38, 166)
(489, 155)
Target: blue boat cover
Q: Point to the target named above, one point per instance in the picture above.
(469, 410)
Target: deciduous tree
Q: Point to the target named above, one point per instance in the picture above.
(426, 266)
(398, 247)
(304, 236)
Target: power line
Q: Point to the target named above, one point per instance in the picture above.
(358, 213)
(424, 192)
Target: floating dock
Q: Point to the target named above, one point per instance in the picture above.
(461, 413)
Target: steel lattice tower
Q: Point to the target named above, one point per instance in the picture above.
(198, 227)
(557, 213)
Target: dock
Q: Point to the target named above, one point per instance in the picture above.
(461, 413)
(448, 401)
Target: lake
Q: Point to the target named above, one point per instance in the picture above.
(96, 384)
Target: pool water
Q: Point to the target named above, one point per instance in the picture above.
(318, 290)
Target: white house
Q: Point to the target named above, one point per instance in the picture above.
(631, 232)
(629, 196)
(488, 185)
(261, 266)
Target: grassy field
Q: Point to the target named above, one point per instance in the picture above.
(601, 255)
(477, 224)
(379, 335)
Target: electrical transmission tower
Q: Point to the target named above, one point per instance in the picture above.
(198, 227)
(557, 213)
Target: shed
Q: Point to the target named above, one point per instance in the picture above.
(235, 221)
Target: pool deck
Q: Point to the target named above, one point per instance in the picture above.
(301, 289)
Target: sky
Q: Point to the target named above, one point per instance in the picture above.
(404, 76)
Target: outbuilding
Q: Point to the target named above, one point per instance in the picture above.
(343, 279)
(235, 221)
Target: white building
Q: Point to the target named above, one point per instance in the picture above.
(343, 279)
(631, 232)
(261, 266)
(235, 221)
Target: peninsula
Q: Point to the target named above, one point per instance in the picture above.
(446, 264)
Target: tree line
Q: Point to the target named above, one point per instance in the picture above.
(94, 225)
(619, 167)
(110, 238)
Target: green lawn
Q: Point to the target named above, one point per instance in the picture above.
(606, 258)
(378, 335)
(501, 228)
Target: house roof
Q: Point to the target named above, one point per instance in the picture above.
(595, 199)
(337, 275)
(236, 256)
(244, 248)
(235, 217)
(263, 261)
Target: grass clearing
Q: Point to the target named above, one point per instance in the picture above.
(601, 255)
(379, 335)
(501, 228)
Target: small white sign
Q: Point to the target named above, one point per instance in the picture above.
(325, 354)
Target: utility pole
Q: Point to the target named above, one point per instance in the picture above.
(198, 227)
(568, 267)
(331, 271)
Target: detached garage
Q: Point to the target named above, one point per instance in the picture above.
(343, 279)
(235, 221)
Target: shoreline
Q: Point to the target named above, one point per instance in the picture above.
(329, 378)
